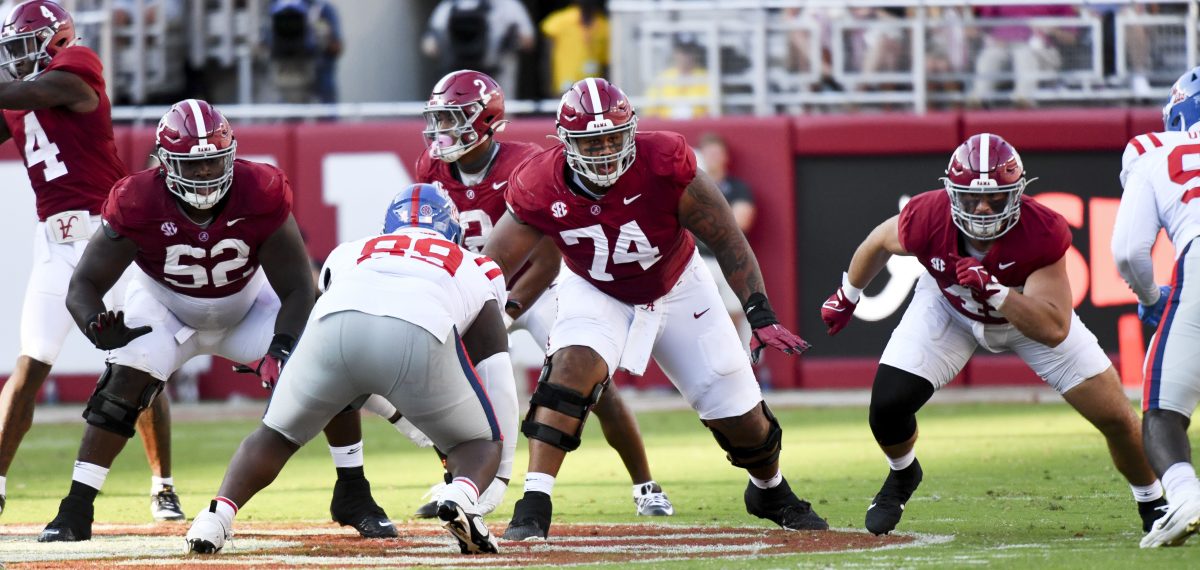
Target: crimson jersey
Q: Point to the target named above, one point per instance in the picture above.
(1040, 238)
(629, 243)
(207, 262)
(71, 157)
(479, 206)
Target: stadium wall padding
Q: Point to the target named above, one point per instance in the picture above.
(821, 182)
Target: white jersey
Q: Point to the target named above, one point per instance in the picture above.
(1161, 176)
(413, 274)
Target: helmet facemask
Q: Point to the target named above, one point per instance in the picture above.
(450, 132)
(1004, 203)
(589, 152)
(24, 56)
(202, 177)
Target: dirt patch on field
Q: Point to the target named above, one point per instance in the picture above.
(259, 545)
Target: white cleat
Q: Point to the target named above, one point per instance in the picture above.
(1173, 529)
(208, 534)
(651, 501)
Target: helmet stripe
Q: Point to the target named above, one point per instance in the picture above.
(985, 143)
(595, 93)
(198, 115)
(413, 216)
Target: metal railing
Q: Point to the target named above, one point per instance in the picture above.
(771, 56)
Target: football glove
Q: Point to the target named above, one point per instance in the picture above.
(271, 365)
(767, 330)
(838, 310)
(1151, 314)
(108, 331)
(974, 276)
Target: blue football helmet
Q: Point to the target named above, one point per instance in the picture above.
(1182, 110)
(423, 206)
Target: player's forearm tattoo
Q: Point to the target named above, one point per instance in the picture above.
(711, 221)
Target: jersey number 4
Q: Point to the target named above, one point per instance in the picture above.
(631, 235)
(39, 149)
(198, 274)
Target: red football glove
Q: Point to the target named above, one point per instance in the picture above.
(777, 337)
(767, 330)
(271, 365)
(974, 276)
(838, 309)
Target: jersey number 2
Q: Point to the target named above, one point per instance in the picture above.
(631, 235)
(39, 149)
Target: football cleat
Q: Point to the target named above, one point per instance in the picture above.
(782, 507)
(888, 505)
(651, 501)
(1, 504)
(531, 518)
(1174, 528)
(352, 505)
(208, 533)
(164, 505)
(73, 523)
(429, 509)
(1151, 512)
(468, 528)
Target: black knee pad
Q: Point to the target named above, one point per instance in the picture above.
(113, 413)
(563, 400)
(896, 396)
(760, 455)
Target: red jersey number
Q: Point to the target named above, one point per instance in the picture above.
(436, 252)
(197, 275)
(39, 149)
(631, 235)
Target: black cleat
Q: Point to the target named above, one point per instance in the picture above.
(1, 504)
(352, 505)
(888, 505)
(531, 518)
(1151, 512)
(73, 523)
(473, 536)
(782, 507)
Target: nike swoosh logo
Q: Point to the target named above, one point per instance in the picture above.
(499, 185)
(871, 507)
(630, 199)
(833, 306)
(233, 221)
(1006, 265)
(382, 523)
(700, 314)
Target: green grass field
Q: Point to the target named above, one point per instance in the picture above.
(1018, 486)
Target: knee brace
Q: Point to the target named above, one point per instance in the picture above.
(896, 396)
(563, 400)
(760, 455)
(112, 412)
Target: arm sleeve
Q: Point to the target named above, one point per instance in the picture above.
(1136, 229)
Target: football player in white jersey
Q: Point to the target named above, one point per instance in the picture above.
(1161, 177)
(388, 324)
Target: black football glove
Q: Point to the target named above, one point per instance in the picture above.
(107, 330)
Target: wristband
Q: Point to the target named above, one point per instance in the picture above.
(852, 293)
(514, 305)
(759, 313)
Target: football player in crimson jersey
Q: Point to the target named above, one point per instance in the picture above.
(198, 227)
(464, 111)
(57, 112)
(1160, 194)
(995, 277)
(622, 207)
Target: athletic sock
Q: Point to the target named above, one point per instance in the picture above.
(89, 475)
(771, 483)
(225, 509)
(903, 462)
(1180, 482)
(3, 485)
(539, 482)
(159, 484)
(347, 456)
(1148, 493)
(468, 487)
